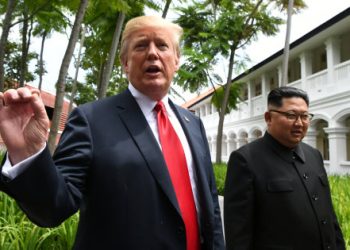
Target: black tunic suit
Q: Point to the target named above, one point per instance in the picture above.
(279, 199)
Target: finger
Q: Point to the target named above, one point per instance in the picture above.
(38, 105)
(10, 96)
(24, 93)
(35, 91)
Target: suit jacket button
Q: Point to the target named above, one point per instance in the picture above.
(305, 176)
(324, 222)
(315, 197)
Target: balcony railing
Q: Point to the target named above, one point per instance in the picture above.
(342, 71)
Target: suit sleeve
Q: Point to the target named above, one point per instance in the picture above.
(50, 189)
(238, 204)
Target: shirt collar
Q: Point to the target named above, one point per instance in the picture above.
(146, 104)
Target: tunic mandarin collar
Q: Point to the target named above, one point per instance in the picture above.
(286, 153)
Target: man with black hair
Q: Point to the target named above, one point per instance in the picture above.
(277, 194)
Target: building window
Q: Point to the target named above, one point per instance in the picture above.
(319, 61)
(294, 70)
(257, 89)
(245, 93)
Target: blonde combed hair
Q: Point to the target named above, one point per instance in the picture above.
(149, 21)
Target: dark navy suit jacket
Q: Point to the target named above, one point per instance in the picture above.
(109, 166)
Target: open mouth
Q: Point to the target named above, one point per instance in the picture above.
(297, 132)
(153, 69)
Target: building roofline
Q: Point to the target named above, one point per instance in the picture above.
(345, 13)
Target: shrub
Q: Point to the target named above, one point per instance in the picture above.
(220, 176)
(18, 233)
(2, 154)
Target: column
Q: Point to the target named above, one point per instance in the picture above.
(231, 144)
(213, 146)
(241, 142)
(311, 137)
(279, 72)
(306, 68)
(333, 57)
(250, 106)
(264, 89)
(224, 143)
(337, 147)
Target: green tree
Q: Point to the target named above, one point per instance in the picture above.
(13, 65)
(50, 19)
(6, 25)
(60, 87)
(221, 28)
(104, 72)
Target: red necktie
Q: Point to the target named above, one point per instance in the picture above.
(176, 161)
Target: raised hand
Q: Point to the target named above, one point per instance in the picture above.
(24, 123)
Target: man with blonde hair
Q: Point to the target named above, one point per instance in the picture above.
(135, 165)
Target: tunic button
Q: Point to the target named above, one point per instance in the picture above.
(328, 247)
(315, 197)
(324, 222)
(305, 176)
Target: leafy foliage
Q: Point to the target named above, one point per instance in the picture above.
(2, 154)
(18, 233)
(13, 55)
(235, 96)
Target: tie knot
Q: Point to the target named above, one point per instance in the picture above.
(159, 107)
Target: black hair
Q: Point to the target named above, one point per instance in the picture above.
(276, 95)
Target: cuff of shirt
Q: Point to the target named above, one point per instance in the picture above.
(12, 172)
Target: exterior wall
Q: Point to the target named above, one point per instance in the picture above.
(321, 66)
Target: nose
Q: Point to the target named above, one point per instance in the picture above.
(298, 120)
(152, 51)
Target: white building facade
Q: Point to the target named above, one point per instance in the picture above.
(319, 64)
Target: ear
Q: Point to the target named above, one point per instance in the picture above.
(125, 65)
(177, 62)
(267, 117)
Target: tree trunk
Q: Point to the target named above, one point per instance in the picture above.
(24, 47)
(41, 60)
(111, 56)
(224, 105)
(6, 25)
(224, 102)
(74, 85)
(166, 8)
(61, 82)
(286, 45)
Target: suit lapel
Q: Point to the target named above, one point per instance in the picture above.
(135, 122)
